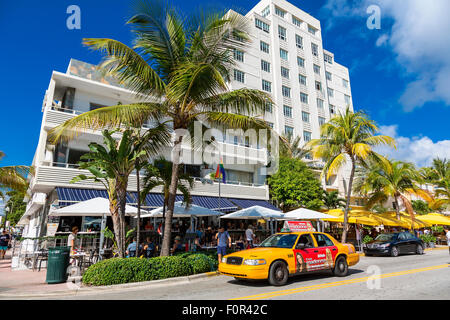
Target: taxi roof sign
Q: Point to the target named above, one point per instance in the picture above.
(298, 226)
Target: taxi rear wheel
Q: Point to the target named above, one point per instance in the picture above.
(278, 274)
(341, 267)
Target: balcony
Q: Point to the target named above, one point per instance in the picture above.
(53, 175)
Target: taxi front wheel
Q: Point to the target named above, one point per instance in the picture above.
(278, 274)
(341, 267)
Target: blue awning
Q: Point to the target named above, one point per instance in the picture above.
(247, 203)
(68, 196)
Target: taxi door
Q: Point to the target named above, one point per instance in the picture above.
(306, 255)
(327, 252)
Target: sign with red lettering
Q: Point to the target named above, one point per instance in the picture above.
(299, 226)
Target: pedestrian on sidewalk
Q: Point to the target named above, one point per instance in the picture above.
(72, 240)
(447, 234)
(4, 243)
(250, 236)
(223, 239)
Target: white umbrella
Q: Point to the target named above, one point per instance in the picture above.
(180, 211)
(92, 207)
(255, 212)
(306, 214)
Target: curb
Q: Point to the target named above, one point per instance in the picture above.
(86, 289)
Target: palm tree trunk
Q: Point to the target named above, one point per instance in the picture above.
(165, 249)
(347, 206)
(138, 227)
(397, 208)
(122, 201)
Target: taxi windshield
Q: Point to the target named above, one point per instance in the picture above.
(280, 241)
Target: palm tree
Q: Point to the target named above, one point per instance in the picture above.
(179, 69)
(112, 165)
(331, 200)
(396, 179)
(13, 178)
(291, 147)
(438, 175)
(159, 174)
(347, 137)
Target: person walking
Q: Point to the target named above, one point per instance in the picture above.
(250, 236)
(4, 243)
(447, 234)
(223, 239)
(72, 240)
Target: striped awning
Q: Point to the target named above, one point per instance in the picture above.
(68, 196)
(247, 203)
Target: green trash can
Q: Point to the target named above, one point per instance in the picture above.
(57, 264)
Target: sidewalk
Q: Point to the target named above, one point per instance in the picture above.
(25, 281)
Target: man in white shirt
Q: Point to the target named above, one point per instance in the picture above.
(447, 234)
(250, 235)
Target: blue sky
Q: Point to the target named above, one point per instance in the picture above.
(400, 74)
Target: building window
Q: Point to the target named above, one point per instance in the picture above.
(305, 116)
(301, 62)
(280, 12)
(289, 131)
(328, 76)
(332, 110)
(266, 86)
(238, 76)
(321, 121)
(316, 69)
(319, 103)
(345, 83)
(285, 72)
(262, 25)
(347, 99)
(318, 86)
(270, 124)
(330, 92)
(312, 30)
(287, 111)
(286, 91)
(238, 55)
(315, 49)
(265, 12)
(93, 106)
(328, 58)
(264, 46)
(283, 54)
(265, 66)
(296, 21)
(268, 107)
(282, 33)
(306, 136)
(299, 41)
(303, 97)
(302, 79)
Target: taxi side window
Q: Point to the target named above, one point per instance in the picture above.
(306, 240)
(323, 240)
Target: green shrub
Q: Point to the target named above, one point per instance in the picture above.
(117, 271)
(199, 263)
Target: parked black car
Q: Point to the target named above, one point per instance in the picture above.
(394, 244)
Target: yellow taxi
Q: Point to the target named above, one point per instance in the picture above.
(288, 254)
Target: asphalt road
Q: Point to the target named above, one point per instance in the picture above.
(409, 277)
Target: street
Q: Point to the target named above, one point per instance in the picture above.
(409, 277)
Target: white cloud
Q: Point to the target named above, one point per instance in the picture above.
(419, 150)
(419, 38)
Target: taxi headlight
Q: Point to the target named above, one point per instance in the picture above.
(254, 262)
(224, 260)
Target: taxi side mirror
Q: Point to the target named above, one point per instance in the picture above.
(301, 246)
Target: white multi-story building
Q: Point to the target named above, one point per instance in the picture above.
(286, 59)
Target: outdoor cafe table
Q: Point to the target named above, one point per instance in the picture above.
(78, 257)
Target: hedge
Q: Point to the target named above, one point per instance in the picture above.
(127, 270)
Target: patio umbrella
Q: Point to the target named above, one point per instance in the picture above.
(180, 211)
(354, 216)
(306, 214)
(255, 212)
(435, 219)
(407, 221)
(92, 207)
